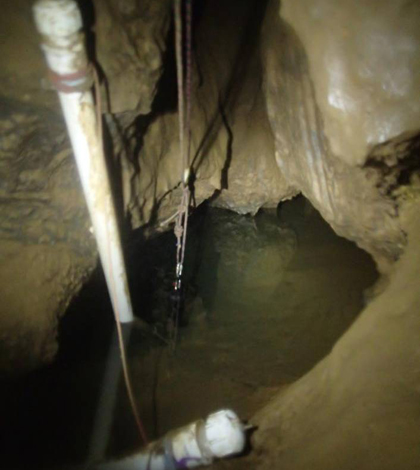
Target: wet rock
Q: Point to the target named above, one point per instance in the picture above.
(198, 314)
(232, 148)
(45, 244)
(37, 282)
(349, 196)
(130, 42)
(364, 63)
(370, 381)
(22, 65)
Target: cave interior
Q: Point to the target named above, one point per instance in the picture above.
(300, 305)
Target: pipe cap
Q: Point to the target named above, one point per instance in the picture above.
(225, 433)
(57, 18)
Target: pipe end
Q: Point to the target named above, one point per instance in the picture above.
(57, 18)
(225, 433)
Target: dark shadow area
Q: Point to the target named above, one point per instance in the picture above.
(229, 146)
(151, 265)
(50, 411)
(396, 162)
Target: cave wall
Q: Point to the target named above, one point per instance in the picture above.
(130, 39)
(359, 407)
(258, 98)
(232, 146)
(364, 64)
(341, 81)
(351, 181)
(46, 249)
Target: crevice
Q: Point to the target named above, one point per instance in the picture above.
(396, 162)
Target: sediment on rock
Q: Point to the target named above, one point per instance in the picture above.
(364, 394)
(232, 146)
(347, 192)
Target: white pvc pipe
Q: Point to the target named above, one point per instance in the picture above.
(60, 23)
(221, 435)
(104, 416)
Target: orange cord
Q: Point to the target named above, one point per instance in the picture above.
(124, 362)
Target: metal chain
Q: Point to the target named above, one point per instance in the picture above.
(181, 223)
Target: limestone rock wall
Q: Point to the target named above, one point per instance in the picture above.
(340, 82)
(232, 150)
(46, 249)
(320, 150)
(320, 147)
(364, 64)
(359, 407)
(130, 38)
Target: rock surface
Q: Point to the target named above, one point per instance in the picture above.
(130, 42)
(46, 248)
(359, 407)
(364, 64)
(356, 200)
(232, 151)
(252, 254)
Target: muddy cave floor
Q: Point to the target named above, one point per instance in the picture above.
(271, 296)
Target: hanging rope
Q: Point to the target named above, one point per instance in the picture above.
(180, 83)
(184, 122)
(188, 45)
